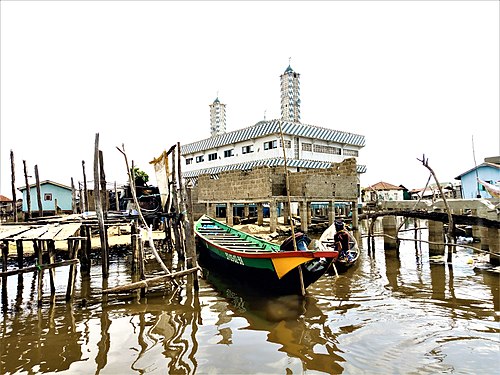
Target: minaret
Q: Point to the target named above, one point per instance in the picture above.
(290, 95)
(217, 118)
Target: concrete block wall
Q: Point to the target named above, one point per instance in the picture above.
(339, 182)
(259, 183)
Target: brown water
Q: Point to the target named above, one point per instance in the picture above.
(388, 315)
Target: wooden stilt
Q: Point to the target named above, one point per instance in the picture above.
(51, 248)
(38, 251)
(73, 246)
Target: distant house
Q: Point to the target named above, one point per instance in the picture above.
(51, 193)
(6, 207)
(489, 172)
(450, 190)
(383, 191)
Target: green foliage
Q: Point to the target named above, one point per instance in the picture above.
(140, 176)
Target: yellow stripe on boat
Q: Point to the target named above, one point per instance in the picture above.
(284, 265)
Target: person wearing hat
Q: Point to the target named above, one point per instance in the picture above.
(341, 239)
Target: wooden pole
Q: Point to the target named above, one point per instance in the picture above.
(187, 214)
(190, 241)
(51, 248)
(85, 191)
(104, 196)
(73, 246)
(38, 251)
(38, 192)
(141, 217)
(292, 225)
(117, 201)
(178, 244)
(28, 192)
(73, 196)
(13, 185)
(98, 210)
(150, 282)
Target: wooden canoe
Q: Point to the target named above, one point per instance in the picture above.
(258, 262)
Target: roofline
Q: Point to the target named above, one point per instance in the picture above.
(269, 127)
(485, 164)
(45, 182)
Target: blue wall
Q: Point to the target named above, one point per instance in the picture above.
(63, 196)
(470, 185)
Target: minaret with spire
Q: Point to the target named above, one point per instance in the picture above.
(217, 118)
(290, 95)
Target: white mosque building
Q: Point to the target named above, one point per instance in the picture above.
(306, 146)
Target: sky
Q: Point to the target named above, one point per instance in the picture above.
(414, 77)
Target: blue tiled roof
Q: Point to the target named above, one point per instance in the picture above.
(274, 162)
(289, 69)
(264, 128)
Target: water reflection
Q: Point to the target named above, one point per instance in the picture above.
(393, 312)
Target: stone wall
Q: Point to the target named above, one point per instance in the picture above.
(340, 182)
(259, 183)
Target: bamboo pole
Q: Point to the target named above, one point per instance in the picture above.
(28, 192)
(292, 225)
(13, 185)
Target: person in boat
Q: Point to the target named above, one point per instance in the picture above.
(341, 240)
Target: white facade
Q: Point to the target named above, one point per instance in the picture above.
(306, 146)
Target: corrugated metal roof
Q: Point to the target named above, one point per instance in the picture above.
(275, 162)
(264, 128)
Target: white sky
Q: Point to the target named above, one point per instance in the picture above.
(413, 77)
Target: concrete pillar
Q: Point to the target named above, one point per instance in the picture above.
(229, 214)
(303, 216)
(246, 210)
(484, 236)
(494, 243)
(309, 213)
(286, 213)
(260, 214)
(390, 228)
(436, 234)
(355, 224)
(273, 216)
(211, 209)
(331, 212)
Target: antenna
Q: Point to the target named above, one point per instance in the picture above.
(289, 61)
(265, 114)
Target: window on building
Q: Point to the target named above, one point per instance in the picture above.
(288, 144)
(189, 161)
(327, 149)
(200, 159)
(270, 145)
(306, 147)
(212, 156)
(47, 196)
(229, 153)
(247, 149)
(351, 152)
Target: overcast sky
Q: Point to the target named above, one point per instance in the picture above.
(413, 77)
